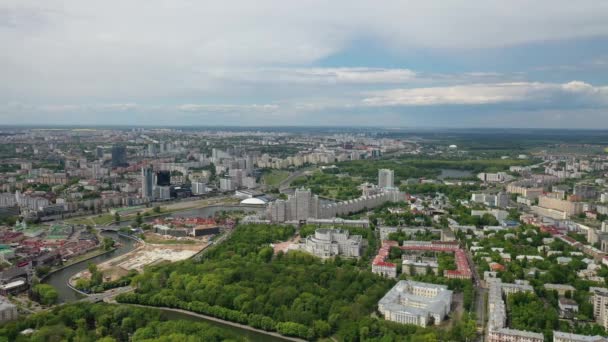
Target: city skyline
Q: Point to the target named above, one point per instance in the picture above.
(309, 64)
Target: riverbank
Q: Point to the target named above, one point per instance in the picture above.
(60, 277)
(221, 321)
(93, 254)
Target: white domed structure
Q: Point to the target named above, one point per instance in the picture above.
(254, 201)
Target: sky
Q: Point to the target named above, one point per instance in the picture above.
(432, 63)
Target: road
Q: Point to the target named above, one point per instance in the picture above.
(285, 182)
(106, 296)
(480, 298)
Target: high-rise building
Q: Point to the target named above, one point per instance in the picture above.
(152, 149)
(163, 178)
(199, 188)
(162, 193)
(147, 182)
(119, 156)
(99, 152)
(301, 209)
(226, 184)
(386, 178)
(599, 300)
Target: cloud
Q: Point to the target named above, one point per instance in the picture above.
(146, 49)
(228, 108)
(481, 94)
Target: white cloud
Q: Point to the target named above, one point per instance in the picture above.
(228, 108)
(109, 50)
(478, 94)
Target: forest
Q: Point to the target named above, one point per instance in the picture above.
(329, 185)
(294, 294)
(418, 167)
(84, 322)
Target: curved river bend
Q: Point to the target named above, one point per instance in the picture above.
(60, 278)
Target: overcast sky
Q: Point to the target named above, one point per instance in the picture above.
(448, 63)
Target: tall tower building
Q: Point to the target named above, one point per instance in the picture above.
(119, 156)
(301, 207)
(147, 182)
(386, 178)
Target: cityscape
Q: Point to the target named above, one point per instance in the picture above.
(304, 171)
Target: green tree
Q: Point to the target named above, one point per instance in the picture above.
(45, 294)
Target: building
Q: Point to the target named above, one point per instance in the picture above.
(226, 184)
(380, 265)
(497, 313)
(410, 302)
(119, 156)
(560, 288)
(147, 183)
(327, 243)
(499, 177)
(512, 335)
(417, 267)
(303, 205)
(568, 308)
(599, 299)
(199, 188)
(162, 193)
(585, 192)
(8, 310)
(386, 178)
(162, 178)
(500, 200)
(559, 336)
(567, 207)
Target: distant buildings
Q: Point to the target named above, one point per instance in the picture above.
(500, 200)
(386, 178)
(327, 243)
(499, 177)
(303, 205)
(557, 208)
(119, 156)
(410, 302)
(147, 183)
(199, 188)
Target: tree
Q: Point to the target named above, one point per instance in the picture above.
(108, 243)
(45, 294)
(116, 217)
(138, 219)
(156, 209)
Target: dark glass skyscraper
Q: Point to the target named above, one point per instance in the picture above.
(119, 156)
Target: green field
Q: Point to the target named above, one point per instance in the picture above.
(275, 177)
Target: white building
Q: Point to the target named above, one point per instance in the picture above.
(599, 300)
(559, 336)
(199, 188)
(327, 243)
(410, 302)
(386, 178)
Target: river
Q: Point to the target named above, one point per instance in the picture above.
(60, 278)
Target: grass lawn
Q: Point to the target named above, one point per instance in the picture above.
(275, 177)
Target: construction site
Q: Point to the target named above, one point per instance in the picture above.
(147, 254)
